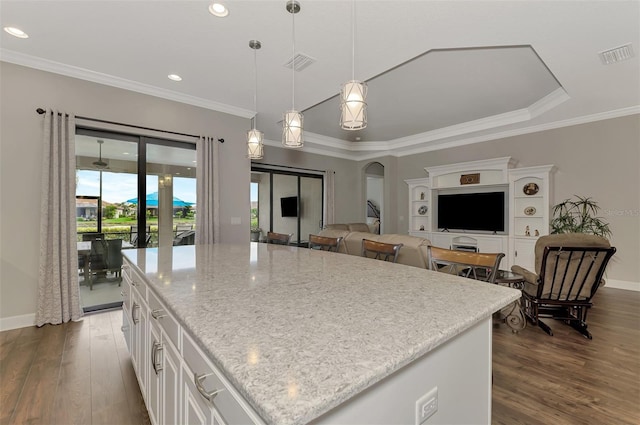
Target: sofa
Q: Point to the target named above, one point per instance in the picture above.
(413, 251)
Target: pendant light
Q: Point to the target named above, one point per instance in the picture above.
(255, 147)
(353, 93)
(292, 130)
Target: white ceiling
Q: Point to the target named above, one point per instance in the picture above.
(484, 69)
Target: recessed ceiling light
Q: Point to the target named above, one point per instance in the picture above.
(16, 32)
(218, 9)
(174, 77)
(125, 153)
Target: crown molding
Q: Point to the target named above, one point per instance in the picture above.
(121, 83)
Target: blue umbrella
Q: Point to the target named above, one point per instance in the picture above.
(152, 201)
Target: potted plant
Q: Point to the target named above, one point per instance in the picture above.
(579, 215)
(255, 234)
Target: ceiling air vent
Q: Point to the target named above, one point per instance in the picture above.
(299, 62)
(617, 54)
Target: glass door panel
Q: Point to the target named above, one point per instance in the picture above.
(106, 181)
(285, 205)
(171, 193)
(310, 207)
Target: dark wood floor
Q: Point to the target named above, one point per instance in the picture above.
(80, 373)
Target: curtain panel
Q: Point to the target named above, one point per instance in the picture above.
(329, 194)
(58, 293)
(207, 191)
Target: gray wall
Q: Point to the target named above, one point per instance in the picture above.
(600, 160)
(22, 90)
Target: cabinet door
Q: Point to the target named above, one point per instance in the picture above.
(126, 328)
(195, 410)
(140, 352)
(155, 374)
(524, 253)
(170, 405)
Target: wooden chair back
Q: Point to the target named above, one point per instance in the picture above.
(474, 265)
(324, 243)
(380, 250)
(279, 238)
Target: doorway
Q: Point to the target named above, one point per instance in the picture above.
(374, 174)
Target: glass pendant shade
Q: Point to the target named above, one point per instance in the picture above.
(353, 105)
(292, 133)
(255, 148)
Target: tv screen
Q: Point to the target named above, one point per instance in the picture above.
(289, 206)
(472, 211)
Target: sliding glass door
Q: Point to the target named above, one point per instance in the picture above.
(287, 202)
(112, 169)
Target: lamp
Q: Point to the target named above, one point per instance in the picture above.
(292, 130)
(353, 93)
(255, 148)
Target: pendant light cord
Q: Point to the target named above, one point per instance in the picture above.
(255, 91)
(293, 61)
(353, 39)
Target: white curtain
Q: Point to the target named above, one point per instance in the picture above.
(58, 292)
(329, 196)
(208, 195)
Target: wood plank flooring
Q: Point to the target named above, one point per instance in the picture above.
(81, 373)
(567, 379)
(76, 373)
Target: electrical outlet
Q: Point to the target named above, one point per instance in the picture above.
(426, 406)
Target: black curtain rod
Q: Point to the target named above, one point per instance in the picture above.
(258, 164)
(42, 111)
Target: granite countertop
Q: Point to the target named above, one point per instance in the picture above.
(299, 331)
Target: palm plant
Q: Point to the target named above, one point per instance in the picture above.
(579, 215)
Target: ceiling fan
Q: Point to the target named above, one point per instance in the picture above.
(100, 163)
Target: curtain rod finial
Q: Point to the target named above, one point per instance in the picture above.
(221, 140)
(40, 111)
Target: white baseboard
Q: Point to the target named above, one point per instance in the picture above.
(15, 322)
(623, 284)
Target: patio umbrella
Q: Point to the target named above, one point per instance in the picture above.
(152, 201)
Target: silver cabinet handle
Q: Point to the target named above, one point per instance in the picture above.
(154, 357)
(133, 283)
(157, 314)
(122, 294)
(124, 328)
(209, 396)
(133, 313)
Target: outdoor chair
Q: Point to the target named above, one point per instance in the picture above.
(105, 257)
(185, 238)
(380, 250)
(568, 272)
(279, 238)
(324, 243)
(472, 265)
(114, 258)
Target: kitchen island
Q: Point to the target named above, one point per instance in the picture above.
(291, 336)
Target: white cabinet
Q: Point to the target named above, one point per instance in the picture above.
(179, 384)
(164, 373)
(419, 207)
(208, 396)
(530, 201)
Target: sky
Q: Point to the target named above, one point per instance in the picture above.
(119, 187)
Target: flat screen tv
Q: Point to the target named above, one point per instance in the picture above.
(472, 211)
(289, 206)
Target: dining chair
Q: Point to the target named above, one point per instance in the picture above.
(324, 243)
(279, 238)
(97, 260)
(380, 250)
(114, 258)
(473, 265)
